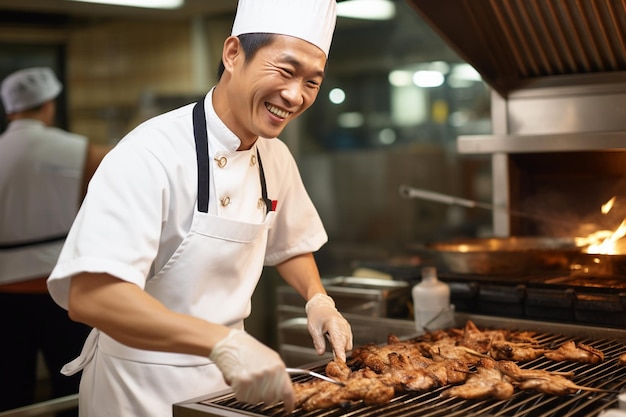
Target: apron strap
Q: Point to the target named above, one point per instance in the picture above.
(268, 203)
(202, 155)
(202, 159)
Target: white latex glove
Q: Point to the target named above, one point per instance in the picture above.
(255, 372)
(324, 319)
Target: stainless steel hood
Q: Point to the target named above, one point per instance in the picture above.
(512, 42)
(557, 69)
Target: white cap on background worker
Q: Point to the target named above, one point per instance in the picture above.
(28, 88)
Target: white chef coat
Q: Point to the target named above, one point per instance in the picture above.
(139, 222)
(41, 173)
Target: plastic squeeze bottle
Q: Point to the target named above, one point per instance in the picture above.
(430, 298)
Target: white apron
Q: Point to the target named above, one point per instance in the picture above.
(119, 381)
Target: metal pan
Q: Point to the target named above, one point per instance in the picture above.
(505, 256)
(599, 265)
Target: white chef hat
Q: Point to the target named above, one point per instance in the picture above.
(310, 20)
(28, 88)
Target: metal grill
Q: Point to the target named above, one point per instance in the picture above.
(608, 375)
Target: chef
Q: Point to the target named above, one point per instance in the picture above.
(180, 219)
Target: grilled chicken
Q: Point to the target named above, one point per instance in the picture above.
(405, 375)
(512, 370)
(487, 382)
(512, 351)
(318, 394)
(377, 357)
(555, 383)
(575, 352)
(338, 370)
(456, 353)
(481, 340)
(446, 358)
(305, 390)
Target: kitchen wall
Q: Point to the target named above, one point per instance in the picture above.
(120, 72)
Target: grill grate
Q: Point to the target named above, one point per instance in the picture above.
(609, 375)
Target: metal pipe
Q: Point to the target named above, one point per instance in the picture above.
(410, 192)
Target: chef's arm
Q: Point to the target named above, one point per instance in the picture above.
(131, 316)
(323, 319)
(302, 274)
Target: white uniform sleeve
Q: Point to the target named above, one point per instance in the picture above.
(118, 227)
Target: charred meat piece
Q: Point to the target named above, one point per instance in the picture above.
(359, 386)
(513, 371)
(478, 340)
(338, 370)
(555, 383)
(305, 390)
(461, 354)
(575, 352)
(512, 351)
(486, 382)
(404, 375)
(377, 357)
(449, 372)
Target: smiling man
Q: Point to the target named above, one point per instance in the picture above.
(180, 219)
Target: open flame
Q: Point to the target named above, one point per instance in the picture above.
(604, 241)
(606, 207)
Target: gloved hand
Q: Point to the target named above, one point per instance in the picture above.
(324, 319)
(255, 372)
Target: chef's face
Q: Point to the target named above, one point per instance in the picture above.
(273, 87)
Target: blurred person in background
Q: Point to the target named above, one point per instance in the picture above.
(44, 173)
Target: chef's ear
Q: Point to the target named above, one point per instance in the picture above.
(232, 53)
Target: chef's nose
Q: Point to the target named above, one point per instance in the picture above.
(293, 93)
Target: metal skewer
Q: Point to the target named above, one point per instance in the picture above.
(297, 371)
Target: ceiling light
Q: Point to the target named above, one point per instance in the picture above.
(427, 79)
(152, 4)
(337, 96)
(367, 9)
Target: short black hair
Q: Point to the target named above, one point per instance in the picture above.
(250, 43)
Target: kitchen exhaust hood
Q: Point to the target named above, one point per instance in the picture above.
(557, 69)
(512, 42)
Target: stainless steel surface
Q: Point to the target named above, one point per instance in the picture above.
(299, 371)
(505, 256)
(44, 408)
(583, 116)
(608, 375)
(481, 144)
(358, 295)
